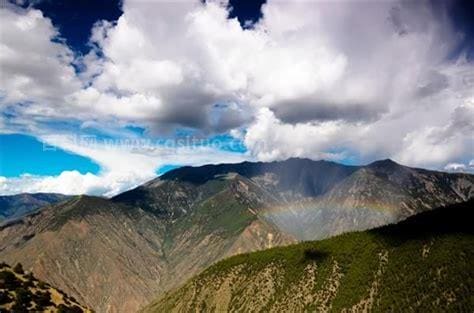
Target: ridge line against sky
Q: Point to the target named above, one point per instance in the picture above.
(349, 81)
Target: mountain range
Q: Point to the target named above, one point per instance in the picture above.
(118, 254)
(15, 206)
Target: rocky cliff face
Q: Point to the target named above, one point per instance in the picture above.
(419, 265)
(115, 255)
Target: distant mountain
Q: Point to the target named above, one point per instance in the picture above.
(120, 253)
(276, 182)
(311, 199)
(18, 205)
(23, 292)
(422, 264)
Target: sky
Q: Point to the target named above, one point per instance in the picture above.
(98, 97)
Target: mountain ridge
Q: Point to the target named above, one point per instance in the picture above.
(141, 243)
(15, 206)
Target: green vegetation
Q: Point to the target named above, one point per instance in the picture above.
(220, 212)
(22, 292)
(18, 269)
(420, 265)
(66, 309)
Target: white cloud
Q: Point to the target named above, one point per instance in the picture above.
(270, 139)
(371, 83)
(460, 167)
(124, 165)
(455, 167)
(33, 66)
(434, 145)
(68, 182)
(129, 108)
(311, 78)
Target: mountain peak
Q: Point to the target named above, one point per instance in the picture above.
(85, 200)
(385, 163)
(300, 159)
(291, 174)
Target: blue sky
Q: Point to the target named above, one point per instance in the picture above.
(22, 154)
(124, 91)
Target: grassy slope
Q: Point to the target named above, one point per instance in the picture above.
(421, 264)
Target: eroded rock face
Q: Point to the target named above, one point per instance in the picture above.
(115, 255)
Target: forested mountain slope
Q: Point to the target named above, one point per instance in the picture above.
(422, 264)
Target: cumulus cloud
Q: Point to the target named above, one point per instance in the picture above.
(269, 138)
(316, 79)
(68, 182)
(455, 167)
(35, 65)
(460, 167)
(438, 144)
(380, 80)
